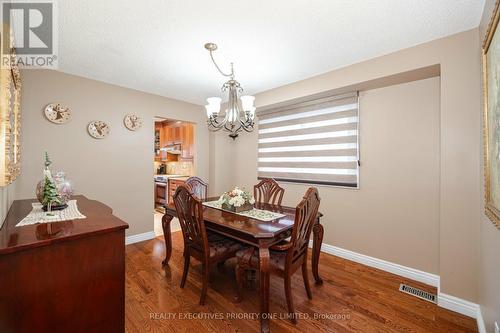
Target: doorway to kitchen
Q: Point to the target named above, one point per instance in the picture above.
(173, 163)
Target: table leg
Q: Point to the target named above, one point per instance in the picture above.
(264, 289)
(165, 224)
(317, 241)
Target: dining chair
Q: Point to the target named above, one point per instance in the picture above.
(196, 240)
(200, 190)
(287, 256)
(268, 192)
(198, 187)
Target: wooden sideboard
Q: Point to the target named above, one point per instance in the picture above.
(69, 277)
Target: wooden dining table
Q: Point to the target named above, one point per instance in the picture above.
(257, 233)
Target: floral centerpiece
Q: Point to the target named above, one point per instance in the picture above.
(237, 200)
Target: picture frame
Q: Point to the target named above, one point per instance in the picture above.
(491, 113)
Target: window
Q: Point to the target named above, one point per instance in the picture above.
(315, 142)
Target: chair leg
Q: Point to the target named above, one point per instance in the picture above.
(205, 273)
(240, 272)
(187, 256)
(288, 295)
(305, 277)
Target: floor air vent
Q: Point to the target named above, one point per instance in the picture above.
(417, 293)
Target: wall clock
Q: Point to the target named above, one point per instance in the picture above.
(98, 129)
(57, 113)
(132, 122)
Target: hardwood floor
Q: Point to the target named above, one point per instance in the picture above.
(353, 298)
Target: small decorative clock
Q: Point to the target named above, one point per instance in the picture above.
(57, 113)
(132, 122)
(98, 129)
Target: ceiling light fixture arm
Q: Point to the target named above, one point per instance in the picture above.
(211, 47)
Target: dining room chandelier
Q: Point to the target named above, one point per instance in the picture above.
(239, 112)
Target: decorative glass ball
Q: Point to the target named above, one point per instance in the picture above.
(64, 188)
(39, 191)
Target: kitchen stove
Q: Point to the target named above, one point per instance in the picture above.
(162, 188)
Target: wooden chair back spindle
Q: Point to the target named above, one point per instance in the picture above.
(305, 217)
(268, 192)
(198, 187)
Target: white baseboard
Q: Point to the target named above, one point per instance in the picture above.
(407, 272)
(139, 237)
(458, 305)
(480, 321)
(464, 307)
(445, 301)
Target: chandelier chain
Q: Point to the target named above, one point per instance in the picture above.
(231, 75)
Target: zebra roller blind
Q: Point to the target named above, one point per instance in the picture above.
(314, 142)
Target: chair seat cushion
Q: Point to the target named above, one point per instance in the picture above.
(250, 258)
(223, 247)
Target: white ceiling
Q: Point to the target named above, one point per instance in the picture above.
(157, 46)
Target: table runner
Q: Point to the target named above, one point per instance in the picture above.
(258, 214)
(37, 215)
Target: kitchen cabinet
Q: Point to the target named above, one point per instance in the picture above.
(166, 135)
(170, 133)
(173, 183)
(187, 135)
(164, 131)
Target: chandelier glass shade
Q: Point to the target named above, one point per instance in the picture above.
(239, 111)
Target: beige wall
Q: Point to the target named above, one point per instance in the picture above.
(395, 213)
(489, 282)
(222, 162)
(116, 170)
(459, 175)
(7, 195)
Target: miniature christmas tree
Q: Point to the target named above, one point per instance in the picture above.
(47, 162)
(50, 195)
